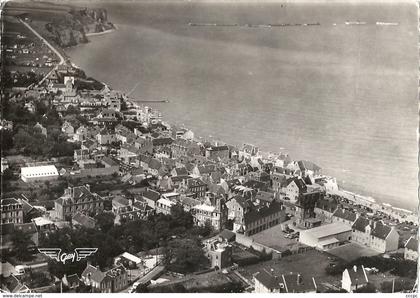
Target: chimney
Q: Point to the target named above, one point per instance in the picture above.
(299, 279)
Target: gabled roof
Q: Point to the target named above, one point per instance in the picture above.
(93, 273)
(296, 283)
(263, 212)
(73, 278)
(360, 224)
(162, 141)
(357, 275)
(181, 171)
(151, 195)
(9, 201)
(345, 214)
(380, 230)
(254, 184)
(227, 235)
(308, 165)
(412, 244)
(268, 280)
(83, 220)
(299, 183)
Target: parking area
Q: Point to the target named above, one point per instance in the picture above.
(352, 251)
(274, 237)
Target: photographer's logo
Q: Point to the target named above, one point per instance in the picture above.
(77, 255)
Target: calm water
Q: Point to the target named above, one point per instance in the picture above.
(342, 96)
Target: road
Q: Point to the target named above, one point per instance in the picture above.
(62, 60)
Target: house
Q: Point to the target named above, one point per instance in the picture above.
(7, 231)
(128, 153)
(161, 142)
(80, 219)
(105, 137)
(80, 134)
(71, 281)
(38, 126)
(11, 211)
(181, 171)
(262, 218)
(217, 152)
(128, 260)
(354, 278)
(344, 216)
(81, 154)
(76, 199)
(38, 173)
(270, 282)
(111, 281)
(327, 236)
(237, 207)
(151, 197)
(375, 234)
(164, 206)
(214, 211)
(308, 168)
(219, 253)
(411, 249)
(196, 187)
(294, 187)
(67, 129)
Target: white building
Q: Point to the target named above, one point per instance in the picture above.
(164, 206)
(39, 173)
(411, 249)
(354, 279)
(375, 234)
(326, 236)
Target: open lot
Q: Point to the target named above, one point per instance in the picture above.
(352, 251)
(273, 237)
(310, 264)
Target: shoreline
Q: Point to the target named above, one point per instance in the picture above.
(103, 32)
(352, 190)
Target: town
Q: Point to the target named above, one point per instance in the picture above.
(85, 166)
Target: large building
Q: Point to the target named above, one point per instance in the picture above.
(375, 234)
(11, 211)
(78, 199)
(214, 212)
(39, 173)
(262, 218)
(326, 236)
(219, 253)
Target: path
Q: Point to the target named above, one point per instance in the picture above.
(62, 60)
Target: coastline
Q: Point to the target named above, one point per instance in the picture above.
(350, 190)
(103, 32)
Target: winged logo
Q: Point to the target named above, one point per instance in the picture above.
(77, 255)
(53, 253)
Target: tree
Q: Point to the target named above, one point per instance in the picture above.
(21, 244)
(185, 255)
(105, 221)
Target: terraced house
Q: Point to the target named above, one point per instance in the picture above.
(78, 199)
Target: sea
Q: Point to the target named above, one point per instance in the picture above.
(344, 96)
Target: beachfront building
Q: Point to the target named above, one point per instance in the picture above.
(11, 211)
(39, 173)
(375, 234)
(326, 236)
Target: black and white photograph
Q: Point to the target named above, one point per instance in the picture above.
(209, 146)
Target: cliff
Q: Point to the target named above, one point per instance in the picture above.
(73, 27)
